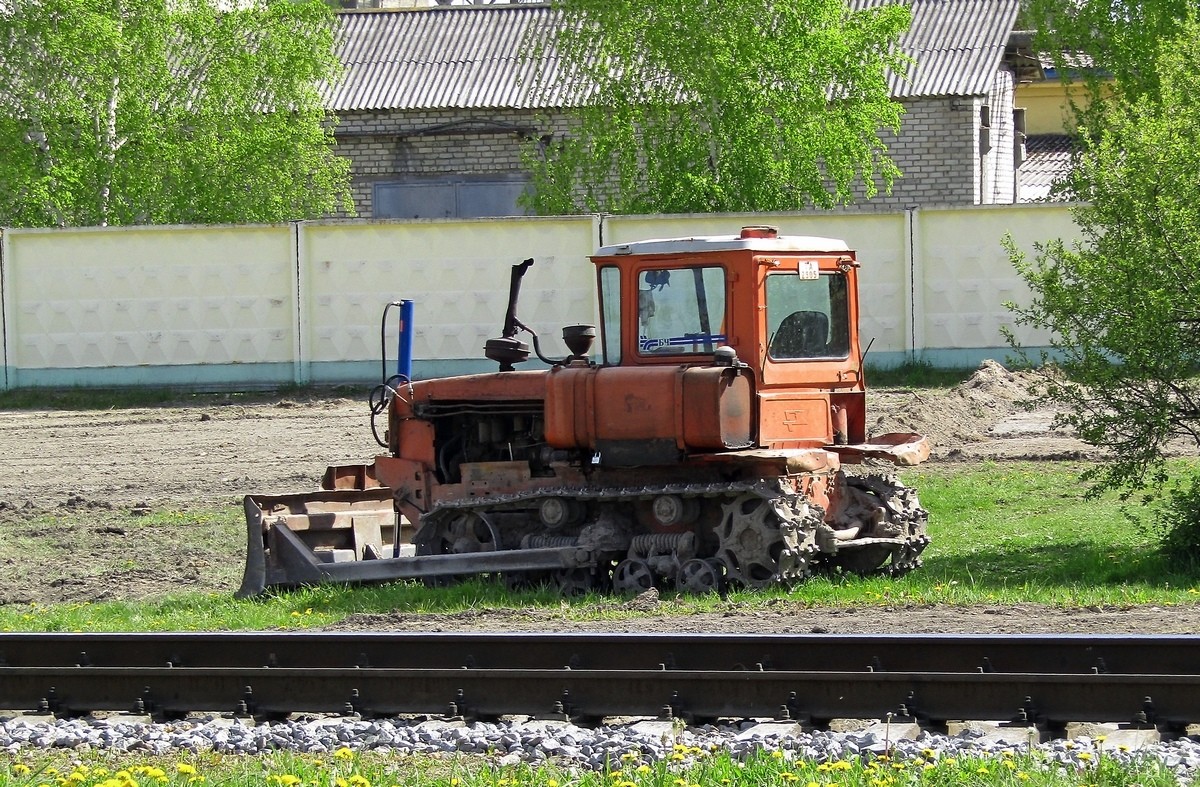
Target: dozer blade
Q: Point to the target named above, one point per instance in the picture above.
(289, 536)
(348, 537)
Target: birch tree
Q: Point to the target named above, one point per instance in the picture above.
(720, 105)
(116, 112)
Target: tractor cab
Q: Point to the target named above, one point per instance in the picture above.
(677, 300)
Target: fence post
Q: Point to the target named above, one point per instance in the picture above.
(5, 310)
(301, 302)
(915, 274)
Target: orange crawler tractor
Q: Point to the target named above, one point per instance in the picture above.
(703, 443)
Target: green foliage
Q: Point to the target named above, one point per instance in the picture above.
(718, 106)
(166, 111)
(1105, 47)
(1122, 306)
(1179, 520)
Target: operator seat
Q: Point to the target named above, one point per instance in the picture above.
(802, 334)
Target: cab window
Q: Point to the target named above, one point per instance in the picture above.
(807, 316)
(681, 310)
(610, 313)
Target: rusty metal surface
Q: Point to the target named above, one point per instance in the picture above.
(1052, 679)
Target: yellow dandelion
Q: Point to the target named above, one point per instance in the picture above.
(643, 769)
(340, 782)
(981, 769)
(1023, 776)
(196, 780)
(21, 769)
(552, 783)
(359, 781)
(1012, 766)
(677, 757)
(344, 753)
(777, 754)
(841, 765)
(186, 769)
(1084, 755)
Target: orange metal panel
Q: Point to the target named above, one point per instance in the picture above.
(794, 419)
(697, 408)
(483, 387)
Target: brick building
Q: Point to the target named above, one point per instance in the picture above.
(437, 104)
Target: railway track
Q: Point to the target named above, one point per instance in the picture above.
(1044, 680)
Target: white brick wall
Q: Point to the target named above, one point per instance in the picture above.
(937, 149)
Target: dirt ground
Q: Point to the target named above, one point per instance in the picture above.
(103, 505)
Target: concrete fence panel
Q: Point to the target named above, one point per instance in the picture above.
(966, 277)
(457, 275)
(264, 305)
(149, 306)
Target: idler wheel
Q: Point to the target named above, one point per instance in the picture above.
(701, 576)
(632, 576)
(577, 581)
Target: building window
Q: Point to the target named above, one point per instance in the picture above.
(449, 198)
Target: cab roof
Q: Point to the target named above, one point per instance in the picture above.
(800, 244)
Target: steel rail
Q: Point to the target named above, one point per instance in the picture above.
(1045, 679)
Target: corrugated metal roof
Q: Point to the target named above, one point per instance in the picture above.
(1047, 163)
(449, 58)
(442, 58)
(956, 46)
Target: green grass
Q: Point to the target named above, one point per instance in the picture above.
(916, 374)
(121, 398)
(1002, 533)
(686, 766)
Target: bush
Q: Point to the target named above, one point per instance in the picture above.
(1179, 516)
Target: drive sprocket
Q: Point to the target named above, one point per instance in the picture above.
(763, 541)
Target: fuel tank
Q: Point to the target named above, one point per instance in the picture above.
(649, 415)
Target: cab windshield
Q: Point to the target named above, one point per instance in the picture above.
(681, 310)
(807, 316)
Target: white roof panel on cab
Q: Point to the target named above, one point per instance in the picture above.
(801, 244)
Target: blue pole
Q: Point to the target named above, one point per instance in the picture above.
(404, 355)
